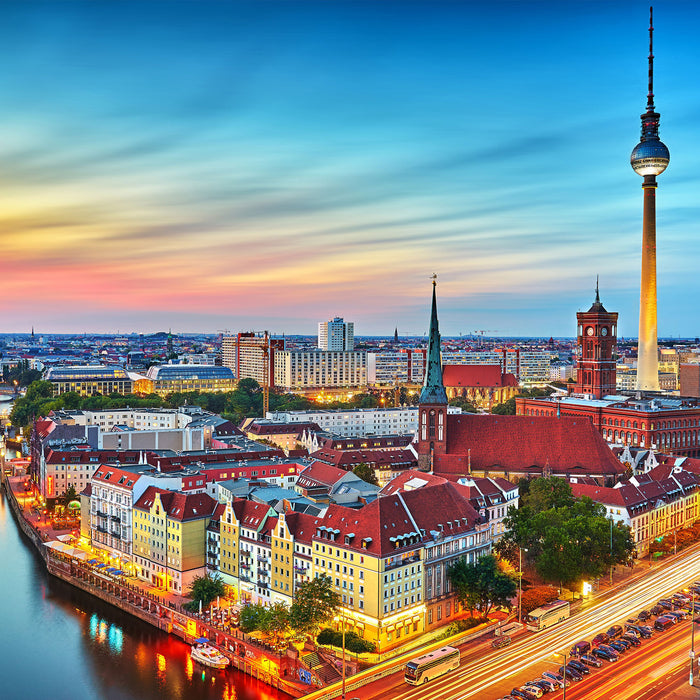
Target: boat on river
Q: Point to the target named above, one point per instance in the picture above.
(205, 654)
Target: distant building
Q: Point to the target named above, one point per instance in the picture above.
(689, 377)
(244, 353)
(300, 370)
(336, 335)
(404, 365)
(483, 385)
(166, 379)
(88, 380)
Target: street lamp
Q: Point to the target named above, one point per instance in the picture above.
(564, 654)
(692, 639)
(520, 583)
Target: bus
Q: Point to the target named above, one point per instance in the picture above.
(432, 665)
(548, 615)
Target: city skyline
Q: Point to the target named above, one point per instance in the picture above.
(207, 166)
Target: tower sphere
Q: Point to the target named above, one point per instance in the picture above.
(650, 157)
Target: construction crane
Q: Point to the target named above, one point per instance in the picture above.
(481, 332)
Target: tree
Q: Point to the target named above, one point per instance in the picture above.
(205, 589)
(253, 617)
(465, 404)
(315, 603)
(480, 585)
(507, 408)
(567, 539)
(366, 473)
(536, 597)
(69, 495)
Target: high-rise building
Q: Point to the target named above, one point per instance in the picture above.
(649, 158)
(245, 354)
(336, 335)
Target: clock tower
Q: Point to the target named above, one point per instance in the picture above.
(597, 341)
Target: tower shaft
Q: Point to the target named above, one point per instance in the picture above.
(647, 353)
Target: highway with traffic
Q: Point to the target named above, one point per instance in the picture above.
(488, 674)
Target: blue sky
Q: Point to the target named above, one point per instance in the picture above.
(206, 166)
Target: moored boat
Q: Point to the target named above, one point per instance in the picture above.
(208, 655)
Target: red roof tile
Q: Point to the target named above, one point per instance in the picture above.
(475, 376)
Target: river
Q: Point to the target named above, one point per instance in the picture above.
(60, 643)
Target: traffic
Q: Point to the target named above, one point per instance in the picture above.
(584, 657)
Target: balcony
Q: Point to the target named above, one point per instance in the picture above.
(100, 514)
(265, 560)
(118, 535)
(402, 562)
(100, 528)
(300, 569)
(115, 518)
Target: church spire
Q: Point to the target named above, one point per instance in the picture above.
(433, 391)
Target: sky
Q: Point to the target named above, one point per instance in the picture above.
(208, 166)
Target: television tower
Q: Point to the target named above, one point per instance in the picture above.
(649, 158)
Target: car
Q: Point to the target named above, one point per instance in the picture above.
(541, 685)
(601, 638)
(579, 648)
(619, 646)
(666, 604)
(644, 615)
(625, 642)
(633, 639)
(548, 683)
(664, 622)
(682, 598)
(632, 630)
(602, 653)
(657, 610)
(571, 672)
(609, 649)
(557, 678)
(500, 642)
(615, 631)
(534, 689)
(646, 631)
(579, 666)
(523, 693)
(678, 614)
(591, 660)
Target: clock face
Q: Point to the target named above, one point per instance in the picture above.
(604, 331)
(589, 331)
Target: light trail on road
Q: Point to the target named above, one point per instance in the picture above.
(475, 677)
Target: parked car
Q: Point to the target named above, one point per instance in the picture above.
(591, 660)
(523, 693)
(680, 597)
(539, 684)
(662, 623)
(579, 666)
(570, 672)
(646, 631)
(601, 638)
(657, 610)
(615, 631)
(556, 677)
(608, 655)
(579, 648)
(644, 615)
(666, 604)
(619, 646)
(534, 689)
(633, 630)
(548, 683)
(610, 650)
(633, 639)
(678, 614)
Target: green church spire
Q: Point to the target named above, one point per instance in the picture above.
(433, 389)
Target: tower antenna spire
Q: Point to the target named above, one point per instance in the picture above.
(650, 95)
(597, 296)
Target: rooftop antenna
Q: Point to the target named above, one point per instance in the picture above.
(650, 95)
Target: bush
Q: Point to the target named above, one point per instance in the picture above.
(537, 596)
(353, 642)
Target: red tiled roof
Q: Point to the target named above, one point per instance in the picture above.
(519, 443)
(301, 526)
(398, 483)
(178, 506)
(600, 494)
(476, 375)
(441, 508)
(319, 474)
(115, 476)
(347, 459)
(44, 427)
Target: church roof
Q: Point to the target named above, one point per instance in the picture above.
(476, 375)
(520, 443)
